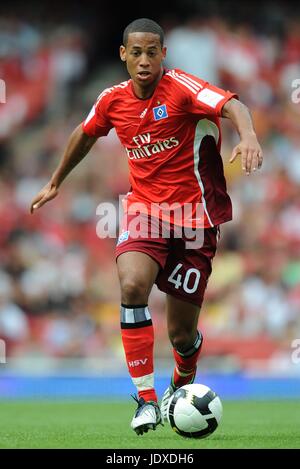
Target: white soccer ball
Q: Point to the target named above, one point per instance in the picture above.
(194, 411)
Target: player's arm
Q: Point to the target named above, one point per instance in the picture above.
(249, 148)
(77, 148)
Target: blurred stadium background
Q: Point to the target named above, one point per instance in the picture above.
(59, 294)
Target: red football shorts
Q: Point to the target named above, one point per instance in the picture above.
(184, 268)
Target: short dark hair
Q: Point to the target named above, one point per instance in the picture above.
(143, 25)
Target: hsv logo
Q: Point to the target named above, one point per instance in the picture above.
(123, 237)
(160, 112)
(141, 361)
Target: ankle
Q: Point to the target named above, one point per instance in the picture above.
(182, 378)
(148, 395)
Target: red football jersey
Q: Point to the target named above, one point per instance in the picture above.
(172, 141)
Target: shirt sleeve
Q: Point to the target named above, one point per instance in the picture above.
(97, 123)
(204, 98)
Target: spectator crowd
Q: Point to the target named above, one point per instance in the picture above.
(59, 293)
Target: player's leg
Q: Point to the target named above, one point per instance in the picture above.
(137, 272)
(184, 279)
(182, 323)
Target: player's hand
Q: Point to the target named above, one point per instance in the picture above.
(251, 153)
(47, 193)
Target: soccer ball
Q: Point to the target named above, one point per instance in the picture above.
(194, 411)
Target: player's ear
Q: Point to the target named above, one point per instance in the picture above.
(164, 52)
(123, 53)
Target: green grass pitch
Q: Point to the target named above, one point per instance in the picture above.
(82, 424)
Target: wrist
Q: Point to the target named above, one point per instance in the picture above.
(55, 181)
(247, 133)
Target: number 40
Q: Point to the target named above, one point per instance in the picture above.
(178, 283)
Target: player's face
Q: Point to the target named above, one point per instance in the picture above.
(143, 55)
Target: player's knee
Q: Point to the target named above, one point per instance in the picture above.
(134, 291)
